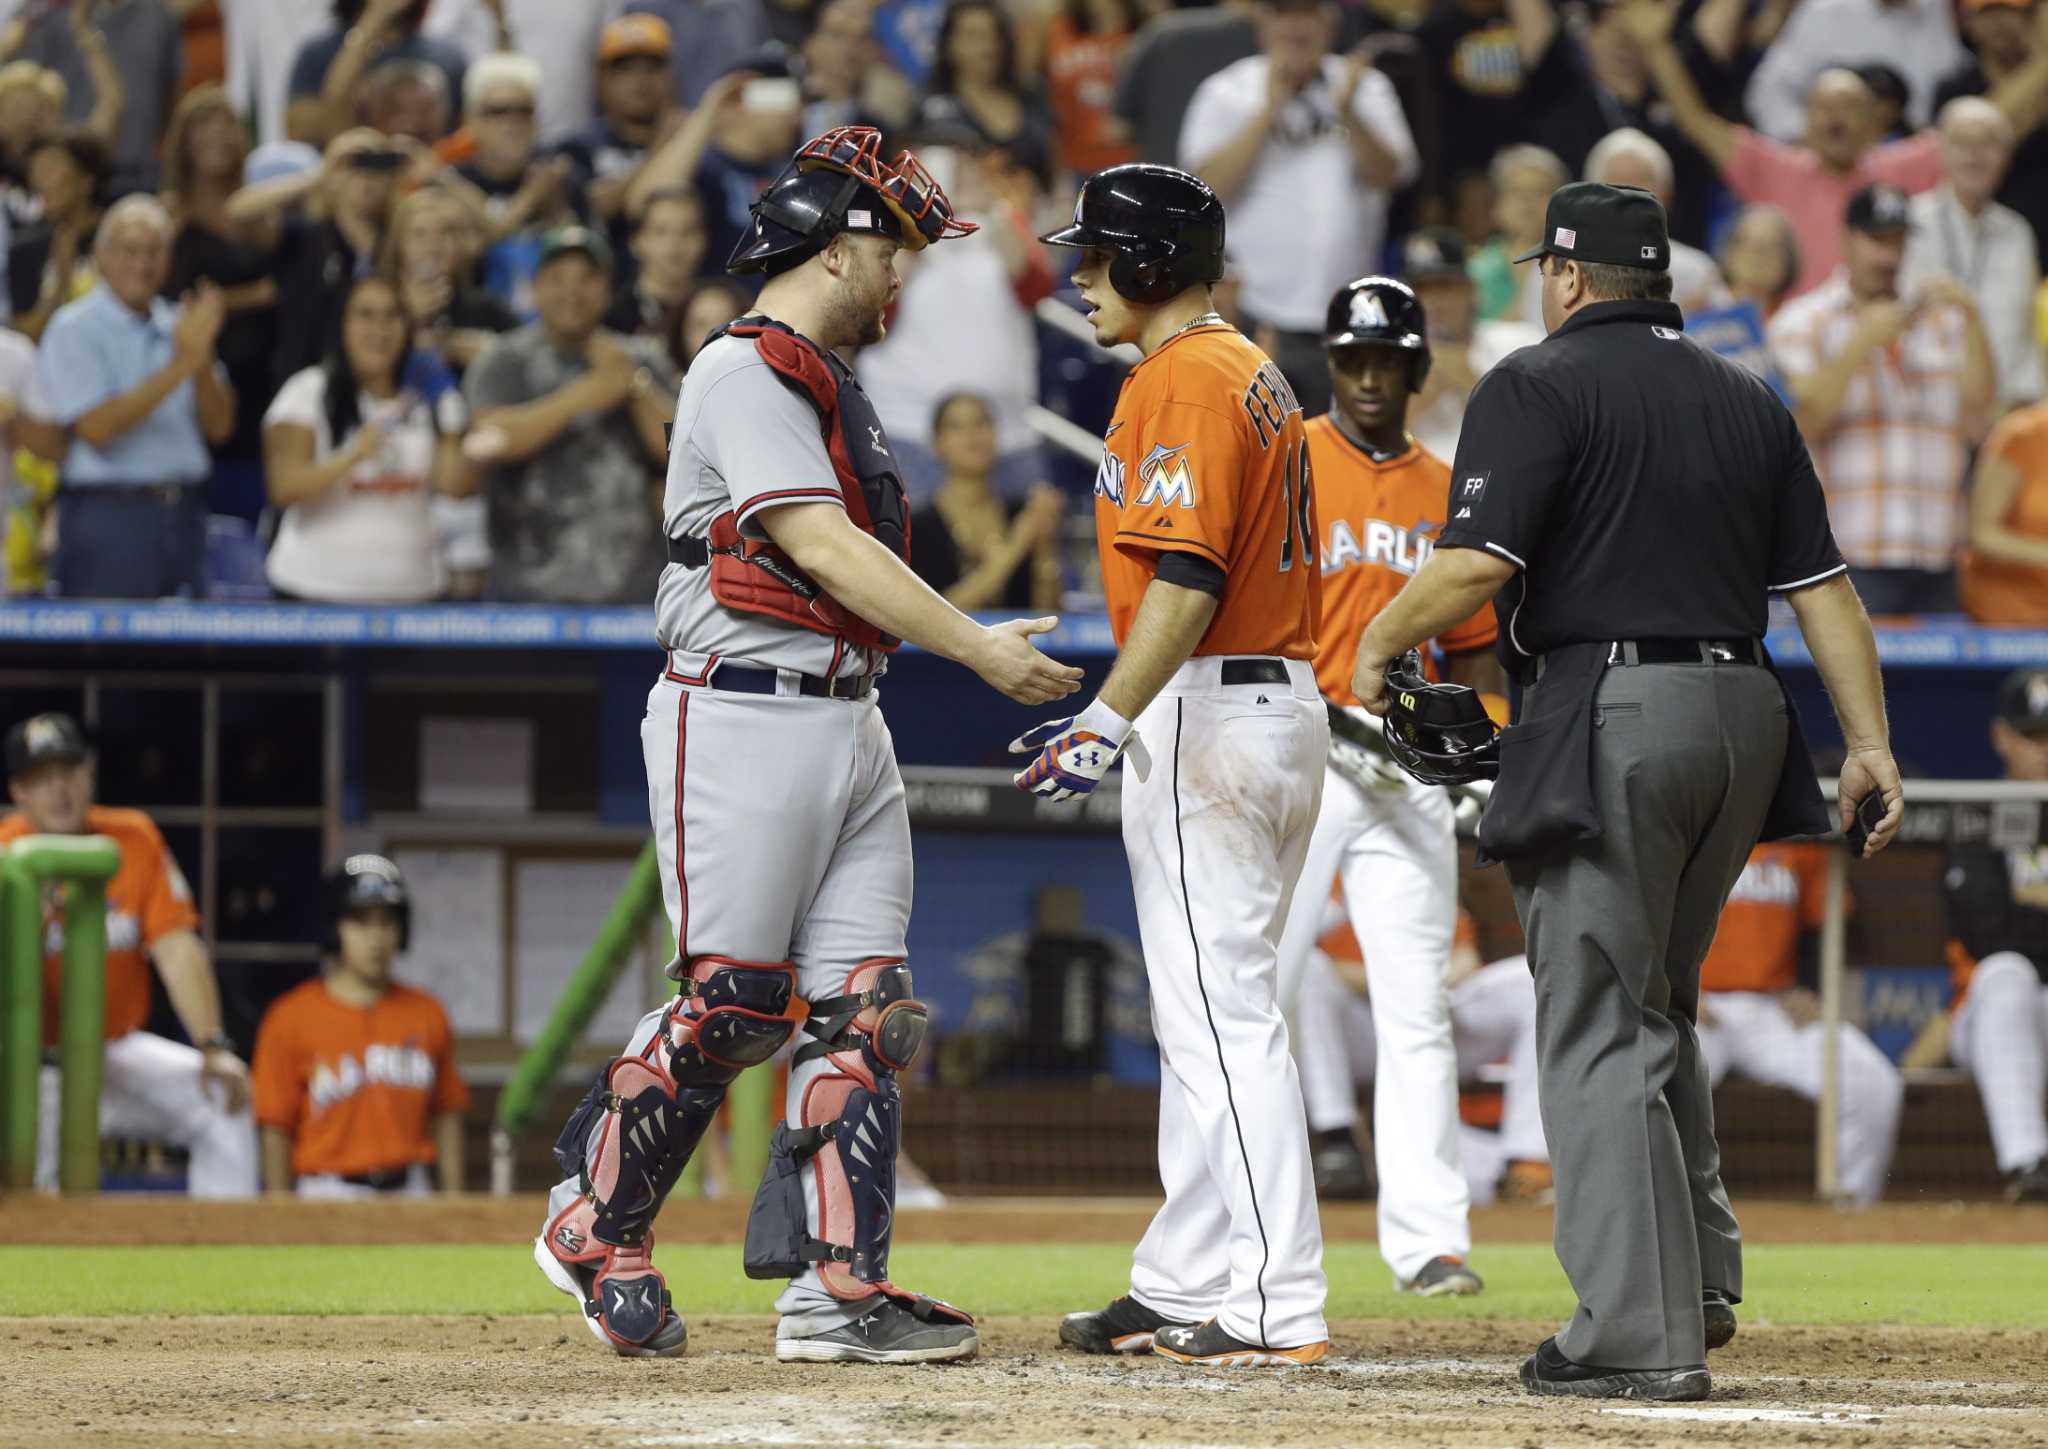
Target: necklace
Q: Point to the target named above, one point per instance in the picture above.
(1207, 319)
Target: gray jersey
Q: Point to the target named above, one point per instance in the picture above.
(744, 441)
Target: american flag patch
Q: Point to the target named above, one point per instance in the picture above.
(1566, 237)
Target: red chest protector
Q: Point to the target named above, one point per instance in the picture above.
(755, 577)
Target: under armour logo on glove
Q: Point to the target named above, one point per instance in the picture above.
(1071, 761)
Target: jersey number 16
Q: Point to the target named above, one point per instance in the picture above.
(1297, 495)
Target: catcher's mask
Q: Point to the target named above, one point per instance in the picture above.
(839, 182)
(1439, 733)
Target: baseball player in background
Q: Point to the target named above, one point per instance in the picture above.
(356, 1088)
(1381, 497)
(779, 814)
(154, 1089)
(1206, 527)
(1757, 1019)
(1493, 1022)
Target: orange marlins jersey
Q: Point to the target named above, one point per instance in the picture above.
(1781, 893)
(1378, 522)
(1206, 456)
(146, 901)
(357, 1088)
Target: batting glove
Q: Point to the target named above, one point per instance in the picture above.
(1073, 754)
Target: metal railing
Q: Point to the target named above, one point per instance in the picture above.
(82, 864)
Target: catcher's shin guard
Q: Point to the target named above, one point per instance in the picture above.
(635, 1130)
(842, 1152)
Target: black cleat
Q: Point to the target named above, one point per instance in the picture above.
(1343, 1172)
(1126, 1326)
(1548, 1371)
(2029, 1184)
(1444, 1276)
(888, 1333)
(1206, 1344)
(1718, 1312)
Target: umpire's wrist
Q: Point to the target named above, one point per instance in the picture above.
(1101, 720)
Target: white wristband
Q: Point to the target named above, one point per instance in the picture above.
(1100, 719)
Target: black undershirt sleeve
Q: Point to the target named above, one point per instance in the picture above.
(1191, 571)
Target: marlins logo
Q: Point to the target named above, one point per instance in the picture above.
(1167, 477)
(1367, 311)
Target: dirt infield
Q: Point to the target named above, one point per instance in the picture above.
(174, 1221)
(529, 1382)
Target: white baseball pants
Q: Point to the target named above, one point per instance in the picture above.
(1220, 786)
(2001, 1039)
(152, 1091)
(780, 826)
(1493, 1020)
(1396, 853)
(1749, 1034)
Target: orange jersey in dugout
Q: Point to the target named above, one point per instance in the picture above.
(146, 900)
(357, 1088)
(1781, 893)
(1378, 522)
(1206, 456)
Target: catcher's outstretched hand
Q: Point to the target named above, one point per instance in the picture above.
(1071, 759)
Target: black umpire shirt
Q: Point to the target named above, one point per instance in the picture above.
(1643, 487)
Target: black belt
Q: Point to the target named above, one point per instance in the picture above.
(1626, 653)
(742, 679)
(1253, 671)
(391, 1179)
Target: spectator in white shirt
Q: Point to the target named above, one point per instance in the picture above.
(1959, 231)
(560, 34)
(1462, 347)
(1915, 37)
(1305, 148)
(263, 37)
(1628, 157)
(355, 459)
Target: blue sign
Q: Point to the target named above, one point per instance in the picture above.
(1736, 332)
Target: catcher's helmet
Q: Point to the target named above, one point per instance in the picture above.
(1165, 226)
(839, 182)
(361, 882)
(1379, 312)
(1439, 733)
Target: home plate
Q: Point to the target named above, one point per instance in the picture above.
(1746, 1416)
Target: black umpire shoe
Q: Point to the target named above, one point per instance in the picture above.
(1718, 1313)
(1343, 1172)
(2029, 1184)
(1206, 1344)
(1548, 1371)
(1126, 1326)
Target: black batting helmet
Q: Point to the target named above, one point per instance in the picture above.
(1379, 312)
(1439, 733)
(839, 182)
(1164, 225)
(363, 881)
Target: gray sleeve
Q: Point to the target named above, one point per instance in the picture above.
(765, 442)
(494, 380)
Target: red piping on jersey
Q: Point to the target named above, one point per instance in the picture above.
(682, 882)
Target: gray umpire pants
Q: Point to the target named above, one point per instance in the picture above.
(1685, 761)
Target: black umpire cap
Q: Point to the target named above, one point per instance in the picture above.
(2023, 701)
(42, 738)
(1617, 226)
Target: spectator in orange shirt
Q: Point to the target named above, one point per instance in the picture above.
(194, 1097)
(1757, 1020)
(356, 1085)
(2003, 578)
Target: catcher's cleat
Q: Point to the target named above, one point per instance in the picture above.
(667, 1339)
(1445, 1276)
(1126, 1326)
(1548, 1371)
(886, 1333)
(1718, 1314)
(1207, 1345)
(1343, 1172)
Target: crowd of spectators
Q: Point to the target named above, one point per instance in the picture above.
(385, 300)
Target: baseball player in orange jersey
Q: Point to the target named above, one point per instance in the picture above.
(1206, 527)
(1380, 497)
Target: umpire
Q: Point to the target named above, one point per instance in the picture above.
(1632, 498)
